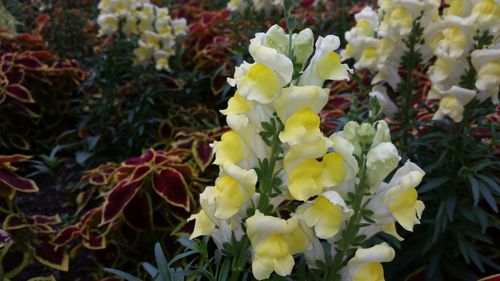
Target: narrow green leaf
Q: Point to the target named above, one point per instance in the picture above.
(122, 274)
(162, 263)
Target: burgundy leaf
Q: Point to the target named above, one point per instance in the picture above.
(15, 77)
(16, 182)
(13, 158)
(139, 212)
(143, 159)
(172, 187)
(95, 242)
(48, 255)
(66, 235)
(118, 199)
(202, 153)
(29, 63)
(19, 93)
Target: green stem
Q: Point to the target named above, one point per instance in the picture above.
(266, 183)
(406, 111)
(352, 227)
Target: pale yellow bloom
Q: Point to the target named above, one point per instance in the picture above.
(108, 24)
(203, 225)
(486, 14)
(450, 38)
(325, 63)
(387, 106)
(274, 241)
(232, 148)
(397, 200)
(459, 8)
(380, 161)
(301, 128)
(487, 64)
(305, 180)
(453, 102)
(325, 214)
(295, 98)
(365, 265)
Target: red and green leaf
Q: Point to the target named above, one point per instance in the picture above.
(20, 93)
(14, 221)
(13, 158)
(66, 235)
(48, 255)
(139, 212)
(118, 199)
(13, 262)
(202, 153)
(42, 219)
(172, 187)
(16, 182)
(95, 241)
(143, 159)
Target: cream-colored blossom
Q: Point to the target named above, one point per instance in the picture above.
(325, 63)
(274, 242)
(487, 64)
(365, 265)
(453, 103)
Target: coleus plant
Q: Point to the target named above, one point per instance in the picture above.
(24, 238)
(124, 207)
(35, 88)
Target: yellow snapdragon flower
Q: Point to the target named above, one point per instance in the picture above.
(325, 214)
(274, 241)
(453, 102)
(487, 64)
(365, 265)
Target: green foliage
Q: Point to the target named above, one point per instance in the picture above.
(456, 238)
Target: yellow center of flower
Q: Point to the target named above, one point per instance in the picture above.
(486, 10)
(230, 197)
(324, 216)
(301, 127)
(441, 69)
(304, 181)
(272, 254)
(349, 50)
(328, 66)
(230, 148)
(264, 80)
(334, 169)
(111, 21)
(203, 225)
(450, 106)
(370, 271)
(365, 28)
(455, 8)
(403, 207)
(238, 104)
(491, 68)
(400, 17)
(451, 40)
(369, 57)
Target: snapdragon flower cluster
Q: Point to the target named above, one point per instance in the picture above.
(450, 47)
(152, 27)
(275, 161)
(259, 5)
